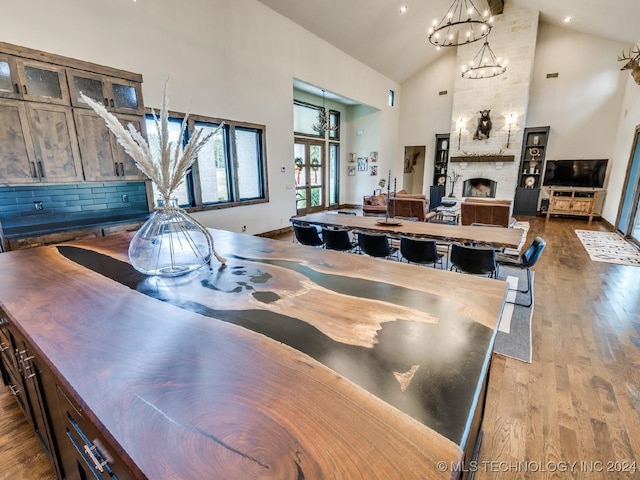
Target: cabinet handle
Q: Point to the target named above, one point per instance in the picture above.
(32, 167)
(14, 390)
(17, 87)
(98, 464)
(24, 89)
(121, 169)
(40, 168)
(111, 103)
(106, 102)
(115, 169)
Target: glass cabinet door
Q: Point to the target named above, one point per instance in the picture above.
(42, 82)
(125, 97)
(9, 86)
(91, 85)
(115, 94)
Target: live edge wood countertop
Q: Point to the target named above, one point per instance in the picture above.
(289, 363)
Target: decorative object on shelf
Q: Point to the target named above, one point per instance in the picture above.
(484, 65)
(633, 62)
(530, 182)
(461, 24)
(484, 126)
(453, 178)
(171, 242)
(324, 120)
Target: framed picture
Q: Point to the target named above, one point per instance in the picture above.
(351, 170)
(374, 170)
(352, 158)
(363, 164)
(373, 157)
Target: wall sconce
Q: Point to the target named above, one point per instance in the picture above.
(460, 125)
(511, 120)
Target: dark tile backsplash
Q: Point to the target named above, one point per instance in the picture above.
(72, 205)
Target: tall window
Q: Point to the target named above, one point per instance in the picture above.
(230, 169)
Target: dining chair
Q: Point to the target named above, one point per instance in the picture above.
(474, 260)
(338, 239)
(421, 251)
(307, 235)
(526, 260)
(376, 245)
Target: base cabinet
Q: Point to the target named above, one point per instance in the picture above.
(572, 201)
(74, 446)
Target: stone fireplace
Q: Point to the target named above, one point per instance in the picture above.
(479, 187)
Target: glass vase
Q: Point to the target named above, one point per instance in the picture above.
(170, 243)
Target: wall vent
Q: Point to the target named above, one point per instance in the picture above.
(442, 92)
(552, 75)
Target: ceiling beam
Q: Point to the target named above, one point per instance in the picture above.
(496, 6)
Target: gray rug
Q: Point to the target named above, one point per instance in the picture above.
(514, 333)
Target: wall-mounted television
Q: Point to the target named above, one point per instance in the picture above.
(575, 173)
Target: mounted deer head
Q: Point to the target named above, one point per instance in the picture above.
(633, 62)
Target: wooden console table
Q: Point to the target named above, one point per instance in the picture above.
(573, 201)
(290, 362)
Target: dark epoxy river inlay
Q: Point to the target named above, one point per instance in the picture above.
(450, 353)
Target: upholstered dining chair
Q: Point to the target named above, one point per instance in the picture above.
(376, 245)
(475, 260)
(526, 260)
(307, 235)
(421, 251)
(338, 239)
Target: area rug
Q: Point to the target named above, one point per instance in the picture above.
(514, 333)
(609, 247)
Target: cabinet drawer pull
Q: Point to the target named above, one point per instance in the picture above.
(106, 102)
(121, 169)
(40, 168)
(98, 464)
(115, 169)
(17, 87)
(111, 103)
(14, 390)
(24, 89)
(32, 167)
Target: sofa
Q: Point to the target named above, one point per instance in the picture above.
(486, 211)
(401, 204)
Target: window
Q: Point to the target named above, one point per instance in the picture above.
(230, 168)
(334, 173)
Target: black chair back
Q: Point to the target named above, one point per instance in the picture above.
(531, 255)
(374, 244)
(307, 235)
(476, 260)
(337, 239)
(420, 251)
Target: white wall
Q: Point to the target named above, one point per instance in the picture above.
(230, 59)
(424, 112)
(629, 120)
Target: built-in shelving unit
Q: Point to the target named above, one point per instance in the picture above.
(440, 167)
(532, 160)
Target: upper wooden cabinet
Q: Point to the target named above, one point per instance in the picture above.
(42, 82)
(117, 95)
(41, 110)
(103, 157)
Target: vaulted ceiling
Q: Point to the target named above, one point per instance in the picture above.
(394, 44)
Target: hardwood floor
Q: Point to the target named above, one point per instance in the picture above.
(572, 413)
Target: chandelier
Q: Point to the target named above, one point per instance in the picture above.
(462, 23)
(324, 120)
(484, 65)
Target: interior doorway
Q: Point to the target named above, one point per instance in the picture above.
(628, 223)
(413, 176)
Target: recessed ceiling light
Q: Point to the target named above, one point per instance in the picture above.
(403, 9)
(567, 19)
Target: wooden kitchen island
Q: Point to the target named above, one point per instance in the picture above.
(288, 363)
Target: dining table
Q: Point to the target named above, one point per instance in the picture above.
(285, 362)
(494, 236)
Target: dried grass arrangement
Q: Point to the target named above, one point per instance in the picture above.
(168, 170)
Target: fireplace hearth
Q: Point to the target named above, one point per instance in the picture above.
(479, 187)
